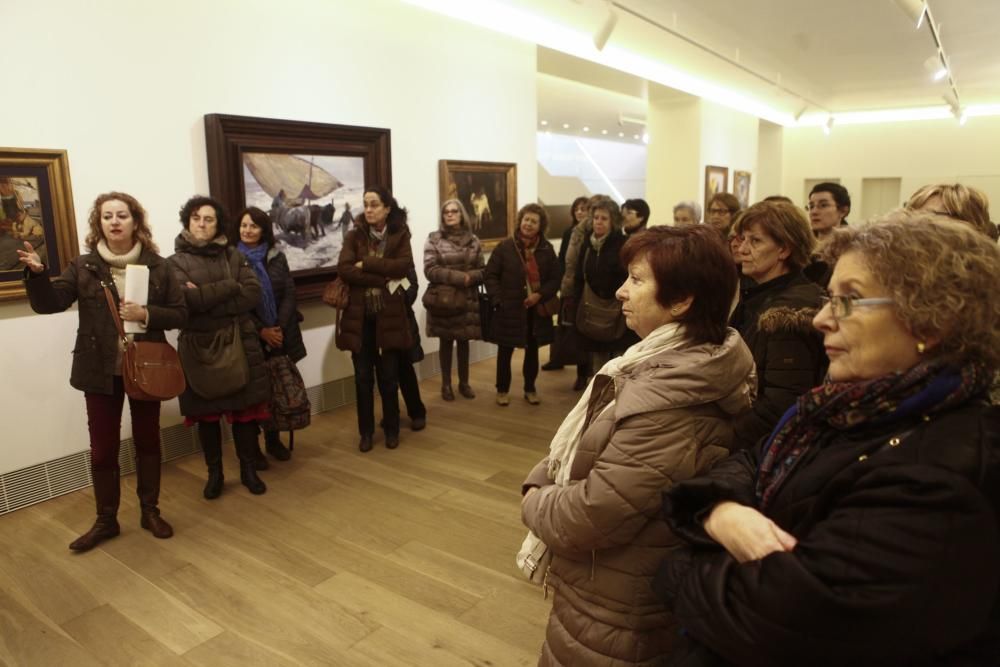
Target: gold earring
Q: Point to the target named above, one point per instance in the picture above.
(921, 347)
(673, 311)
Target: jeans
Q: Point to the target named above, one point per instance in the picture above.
(371, 365)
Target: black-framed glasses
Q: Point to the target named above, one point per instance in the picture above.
(842, 305)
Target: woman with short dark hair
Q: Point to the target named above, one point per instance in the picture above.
(722, 210)
(220, 288)
(522, 274)
(661, 413)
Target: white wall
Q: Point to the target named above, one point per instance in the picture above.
(918, 152)
(124, 86)
(728, 139)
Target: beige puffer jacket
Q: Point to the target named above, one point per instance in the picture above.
(671, 421)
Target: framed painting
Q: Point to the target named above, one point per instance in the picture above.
(310, 177)
(489, 192)
(716, 181)
(741, 187)
(37, 208)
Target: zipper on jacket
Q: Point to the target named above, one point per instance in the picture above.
(593, 563)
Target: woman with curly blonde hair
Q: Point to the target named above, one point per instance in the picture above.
(871, 510)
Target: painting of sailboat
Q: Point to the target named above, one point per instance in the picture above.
(312, 200)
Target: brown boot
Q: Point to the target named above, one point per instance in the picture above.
(106, 495)
(147, 472)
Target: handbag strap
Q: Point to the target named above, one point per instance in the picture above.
(114, 313)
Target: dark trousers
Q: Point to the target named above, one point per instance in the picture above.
(104, 421)
(529, 369)
(409, 388)
(370, 365)
(462, 352)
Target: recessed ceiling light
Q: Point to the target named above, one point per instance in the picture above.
(604, 131)
(586, 129)
(635, 136)
(545, 122)
(621, 134)
(565, 126)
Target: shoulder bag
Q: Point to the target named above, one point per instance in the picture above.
(445, 300)
(150, 371)
(599, 319)
(534, 559)
(336, 294)
(215, 362)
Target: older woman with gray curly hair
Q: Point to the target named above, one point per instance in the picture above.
(864, 530)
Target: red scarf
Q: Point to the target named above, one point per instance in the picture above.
(526, 250)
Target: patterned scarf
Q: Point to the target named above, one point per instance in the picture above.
(376, 248)
(926, 388)
(267, 309)
(526, 250)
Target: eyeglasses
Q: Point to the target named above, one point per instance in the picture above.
(718, 211)
(842, 306)
(451, 211)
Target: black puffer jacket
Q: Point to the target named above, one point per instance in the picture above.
(896, 561)
(97, 337)
(604, 272)
(506, 285)
(284, 297)
(212, 305)
(775, 320)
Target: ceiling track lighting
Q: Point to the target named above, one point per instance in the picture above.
(828, 126)
(603, 33)
(920, 12)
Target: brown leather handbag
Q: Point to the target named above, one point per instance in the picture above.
(150, 371)
(336, 294)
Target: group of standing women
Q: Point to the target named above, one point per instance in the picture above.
(207, 288)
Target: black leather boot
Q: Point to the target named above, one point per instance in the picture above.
(106, 495)
(245, 437)
(274, 446)
(147, 471)
(210, 435)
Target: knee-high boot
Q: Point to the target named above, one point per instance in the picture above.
(147, 471)
(210, 435)
(245, 437)
(106, 495)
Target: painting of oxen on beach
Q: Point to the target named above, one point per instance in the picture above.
(312, 200)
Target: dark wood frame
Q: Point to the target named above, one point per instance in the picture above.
(228, 137)
(507, 169)
(709, 170)
(51, 165)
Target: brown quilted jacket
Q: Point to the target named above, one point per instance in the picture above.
(671, 421)
(448, 258)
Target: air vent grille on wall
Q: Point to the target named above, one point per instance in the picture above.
(40, 482)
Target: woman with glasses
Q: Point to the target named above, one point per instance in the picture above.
(723, 208)
(453, 264)
(829, 205)
(775, 312)
(864, 530)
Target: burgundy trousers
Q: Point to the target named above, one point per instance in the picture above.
(104, 420)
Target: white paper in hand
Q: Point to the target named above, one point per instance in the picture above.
(136, 291)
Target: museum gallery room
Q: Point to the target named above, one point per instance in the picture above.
(403, 551)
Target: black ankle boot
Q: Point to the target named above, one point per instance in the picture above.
(245, 437)
(274, 447)
(210, 435)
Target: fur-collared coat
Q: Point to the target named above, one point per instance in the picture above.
(448, 258)
(96, 348)
(219, 296)
(775, 320)
(392, 325)
(672, 419)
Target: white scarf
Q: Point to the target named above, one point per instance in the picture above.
(564, 444)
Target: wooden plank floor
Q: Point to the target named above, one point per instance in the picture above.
(398, 557)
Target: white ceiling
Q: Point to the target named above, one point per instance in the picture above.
(795, 55)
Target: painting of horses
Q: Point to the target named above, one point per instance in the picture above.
(312, 201)
(36, 207)
(489, 192)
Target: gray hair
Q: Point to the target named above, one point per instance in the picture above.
(693, 206)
